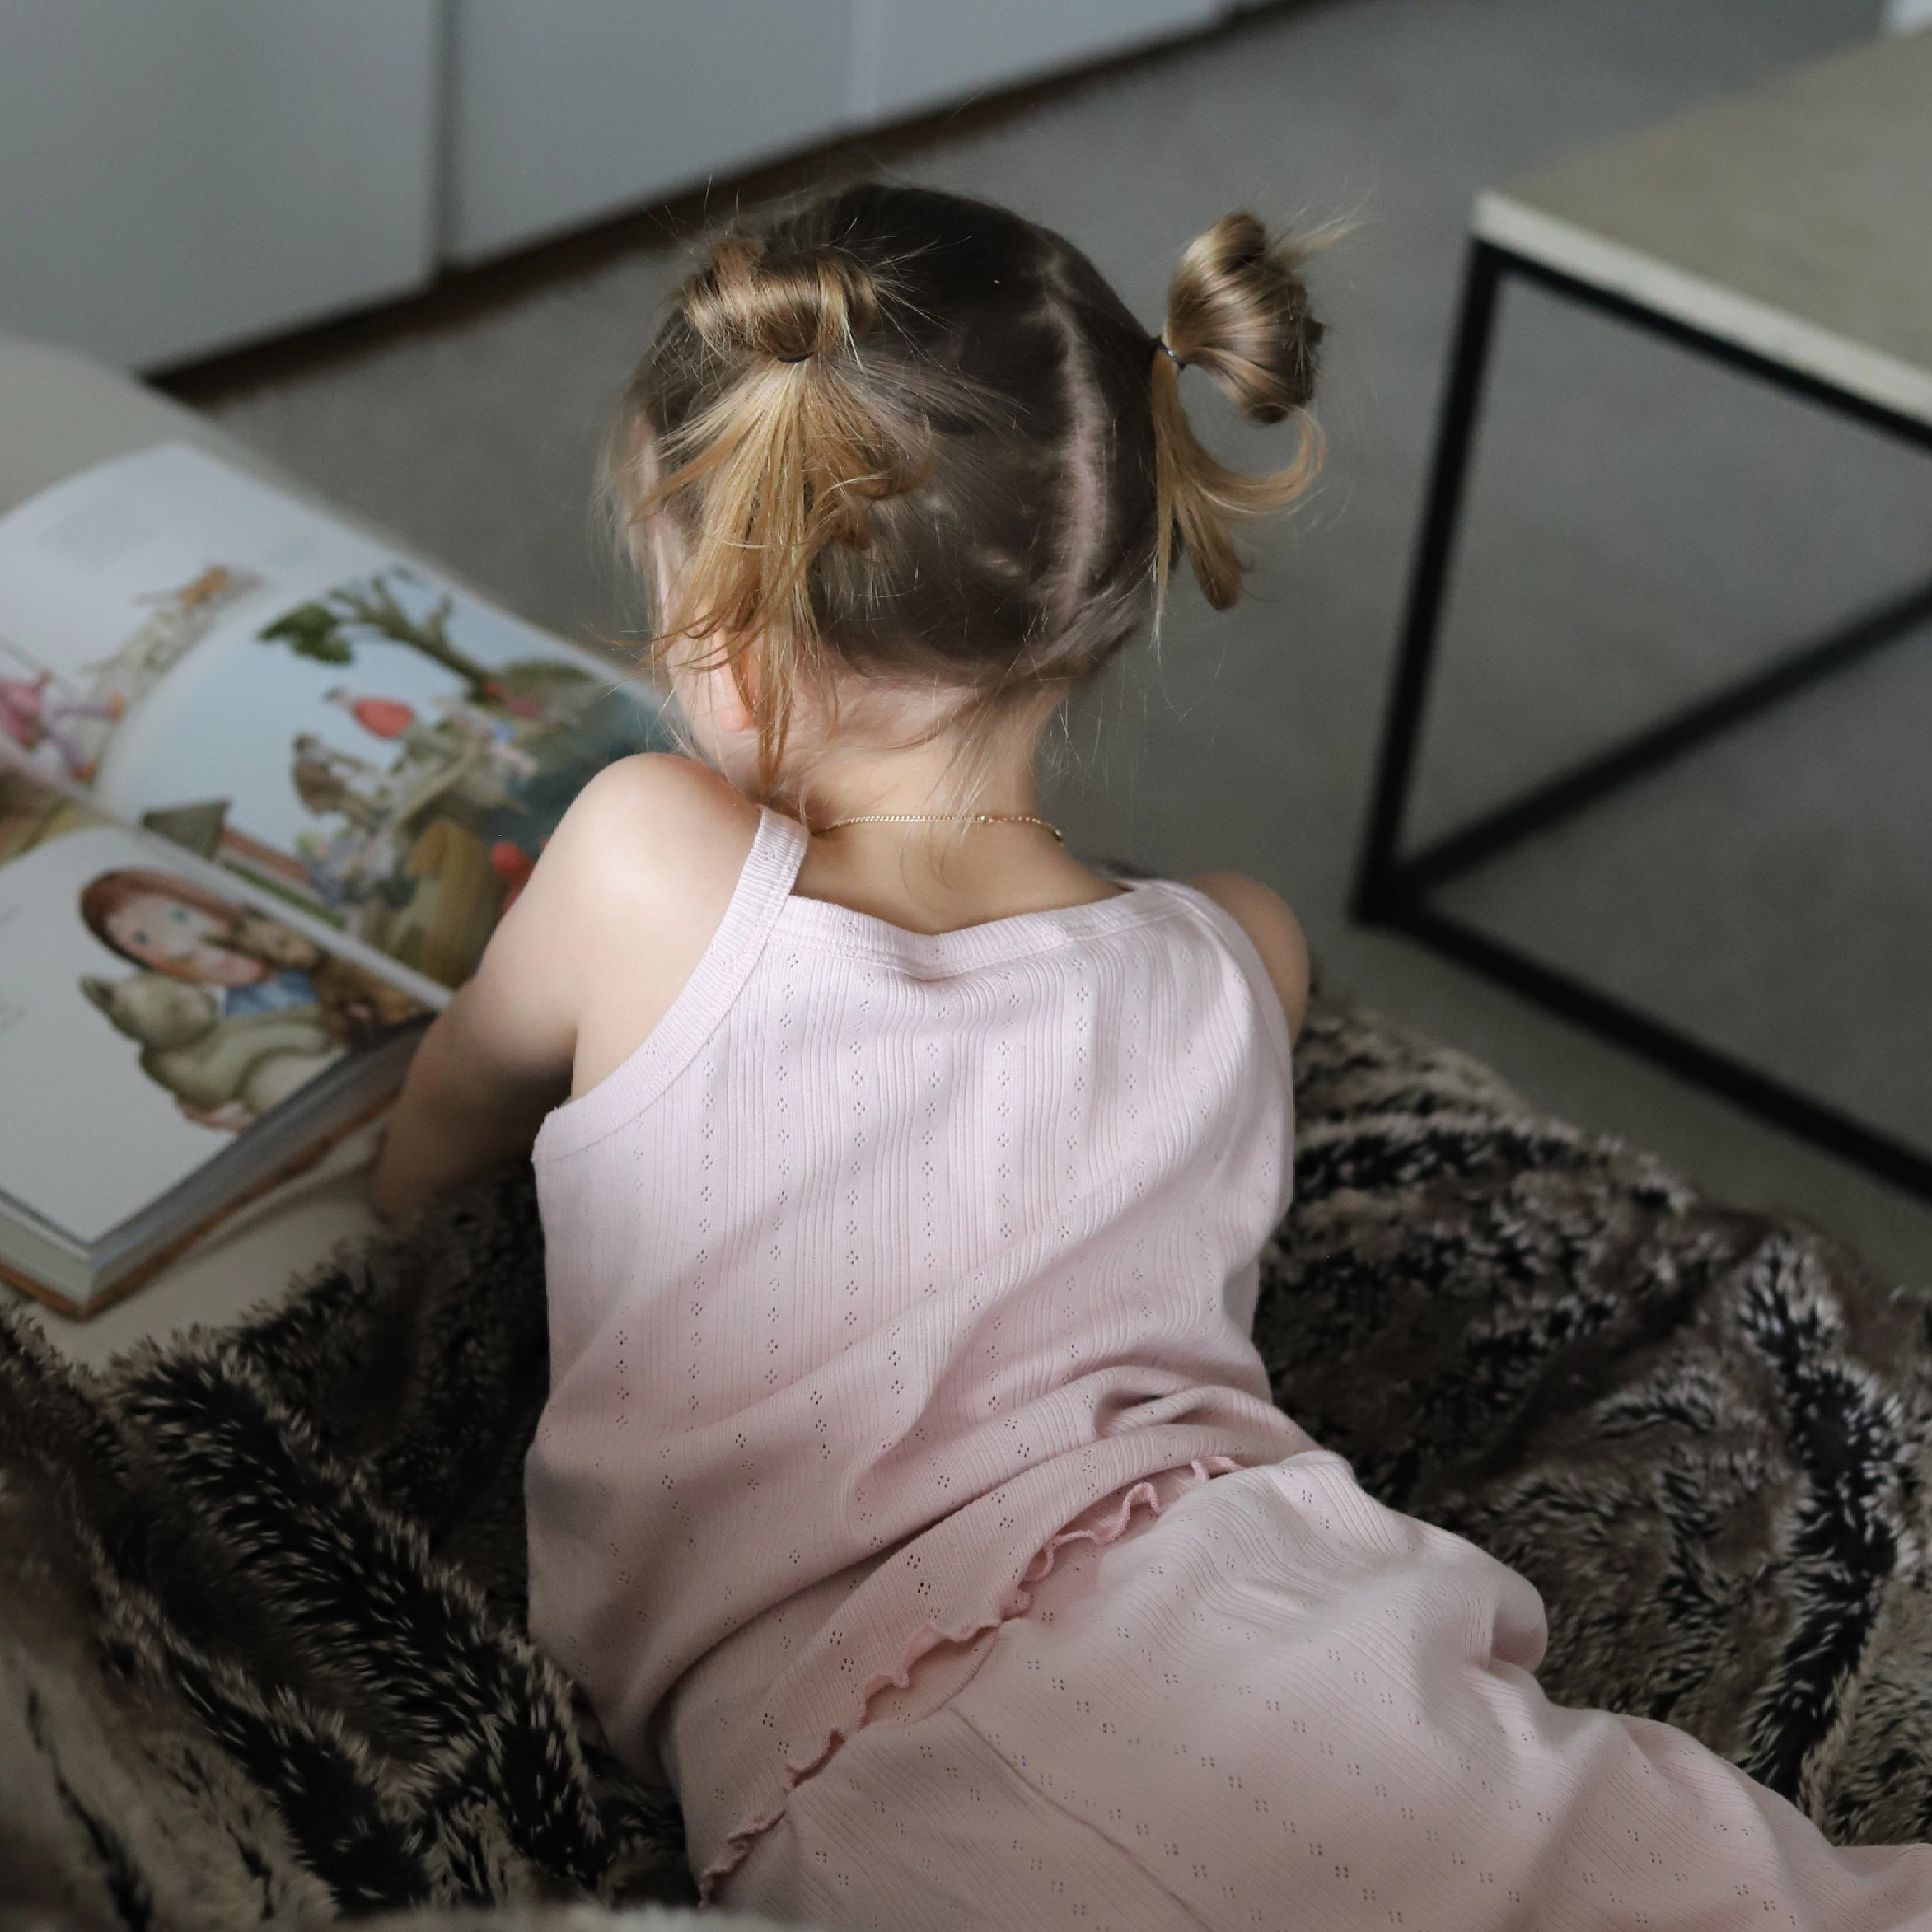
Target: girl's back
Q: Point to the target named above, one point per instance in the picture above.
(903, 1233)
(888, 1242)
(906, 1223)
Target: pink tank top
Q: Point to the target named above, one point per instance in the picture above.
(883, 1260)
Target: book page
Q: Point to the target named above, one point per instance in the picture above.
(145, 1020)
(286, 696)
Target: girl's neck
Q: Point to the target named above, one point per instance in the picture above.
(940, 878)
(873, 751)
(935, 877)
(920, 779)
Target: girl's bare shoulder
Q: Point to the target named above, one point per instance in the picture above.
(627, 896)
(644, 862)
(651, 827)
(1276, 933)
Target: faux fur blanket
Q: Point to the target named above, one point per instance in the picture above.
(261, 1657)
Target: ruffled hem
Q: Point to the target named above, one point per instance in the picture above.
(1103, 1523)
(1111, 1526)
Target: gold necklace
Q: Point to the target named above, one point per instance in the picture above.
(943, 818)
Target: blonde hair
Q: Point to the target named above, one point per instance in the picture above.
(918, 438)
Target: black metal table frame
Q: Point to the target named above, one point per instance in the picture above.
(1395, 891)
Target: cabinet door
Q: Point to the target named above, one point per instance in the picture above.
(567, 110)
(908, 54)
(184, 176)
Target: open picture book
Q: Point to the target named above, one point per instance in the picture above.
(265, 788)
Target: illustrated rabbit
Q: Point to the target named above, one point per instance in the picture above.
(209, 1062)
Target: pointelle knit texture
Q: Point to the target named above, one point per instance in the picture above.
(888, 1261)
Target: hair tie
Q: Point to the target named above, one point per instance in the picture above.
(806, 357)
(1160, 342)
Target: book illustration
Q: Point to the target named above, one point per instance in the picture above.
(71, 717)
(223, 1072)
(154, 1026)
(169, 1046)
(195, 827)
(232, 1010)
(225, 665)
(430, 818)
(42, 716)
(180, 618)
(32, 814)
(265, 788)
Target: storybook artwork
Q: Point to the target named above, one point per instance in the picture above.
(268, 688)
(430, 816)
(265, 788)
(170, 1046)
(232, 1010)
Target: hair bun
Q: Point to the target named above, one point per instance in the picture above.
(1238, 309)
(791, 305)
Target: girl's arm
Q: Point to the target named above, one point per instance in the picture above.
(600, 941)
(495, 1060)
(467, 1105)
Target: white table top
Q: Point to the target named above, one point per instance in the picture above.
(1794, 221)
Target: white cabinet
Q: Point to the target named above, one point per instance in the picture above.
(562, 111)
(908, 54)
(566, 110)
(184, 174)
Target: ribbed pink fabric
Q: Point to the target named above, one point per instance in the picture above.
(1280, 1707)
(884, 1259)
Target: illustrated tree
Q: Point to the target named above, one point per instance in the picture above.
(328, 630)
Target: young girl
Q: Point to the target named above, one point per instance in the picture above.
(908, 1492)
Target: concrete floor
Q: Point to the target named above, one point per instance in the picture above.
(1640, 526)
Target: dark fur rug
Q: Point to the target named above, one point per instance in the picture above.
(261, 1657)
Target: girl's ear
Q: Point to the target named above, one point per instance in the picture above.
(734, 692)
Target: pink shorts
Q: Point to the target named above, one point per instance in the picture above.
(1278, 1704)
